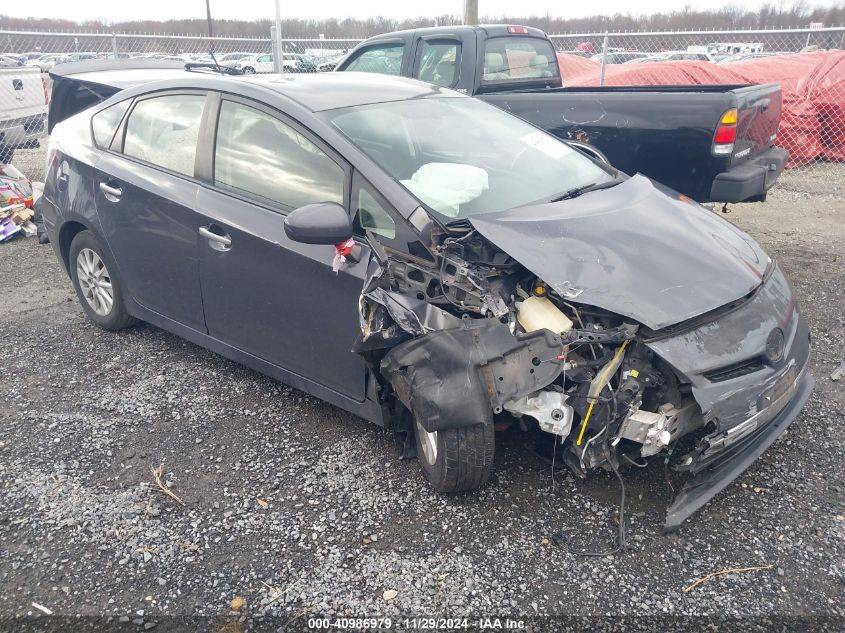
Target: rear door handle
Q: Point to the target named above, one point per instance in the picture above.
(112, 193)
(224, 241)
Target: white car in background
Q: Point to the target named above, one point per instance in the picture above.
(46, 62)
(675, 56)
(252, 64)
(228, 59)
(263, 63)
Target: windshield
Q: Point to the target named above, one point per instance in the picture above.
(462, 157)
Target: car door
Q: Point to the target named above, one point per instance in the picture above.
(264, 294)
(145, 193)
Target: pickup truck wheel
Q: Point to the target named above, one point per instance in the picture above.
(97, 285)
(456, 459)
(6, 154)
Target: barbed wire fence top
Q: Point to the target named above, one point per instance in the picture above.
(586, 59)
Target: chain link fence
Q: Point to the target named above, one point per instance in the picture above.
(813, 83)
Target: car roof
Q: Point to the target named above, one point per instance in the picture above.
(314, 91)
(490, 30)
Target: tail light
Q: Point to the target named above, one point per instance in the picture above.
(723, 140)
(46, 93)
(519, 30)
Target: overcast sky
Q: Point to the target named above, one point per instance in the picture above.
(118, 10)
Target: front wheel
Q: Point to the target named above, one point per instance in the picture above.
(456, 459)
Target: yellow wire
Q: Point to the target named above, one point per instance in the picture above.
(621, 350)
(584, 425)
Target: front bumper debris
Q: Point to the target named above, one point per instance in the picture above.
(728, 457)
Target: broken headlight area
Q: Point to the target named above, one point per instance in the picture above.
(471, 337)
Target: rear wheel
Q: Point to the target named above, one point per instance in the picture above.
(249, 70)
(456, 459)
(97, 285)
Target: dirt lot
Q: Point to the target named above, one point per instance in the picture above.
(304, 511)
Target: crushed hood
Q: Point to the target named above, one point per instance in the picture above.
(632, 250)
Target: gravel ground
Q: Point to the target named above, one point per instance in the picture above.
(303, 510)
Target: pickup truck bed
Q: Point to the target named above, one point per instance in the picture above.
(668, 133)
(23, 109)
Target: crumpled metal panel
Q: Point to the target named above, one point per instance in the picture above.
(738, 336)
(631, 250)
(459, 377)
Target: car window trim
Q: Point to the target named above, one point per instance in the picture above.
(291, 122)
(121, 132)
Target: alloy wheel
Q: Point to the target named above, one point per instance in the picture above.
(428, 443)
(95, 281)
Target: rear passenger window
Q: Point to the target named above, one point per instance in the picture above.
(260, 157)
(105, 122)
(385, 60)
(164, 131)
(439, 62)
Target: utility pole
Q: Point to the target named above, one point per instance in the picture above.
(470, 11)
(278, 53)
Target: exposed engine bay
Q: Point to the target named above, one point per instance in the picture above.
(476, 336)
(527, 318)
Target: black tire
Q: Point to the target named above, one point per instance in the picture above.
(463, 459)
(6, 154)
(115, 317)
(249, 70)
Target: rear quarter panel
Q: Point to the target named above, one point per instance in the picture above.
(72, 156)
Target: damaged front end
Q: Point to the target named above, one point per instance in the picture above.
(471, 336)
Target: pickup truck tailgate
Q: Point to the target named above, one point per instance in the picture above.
(754, 164)
(759, 110)
(22, 106)
(21, 93)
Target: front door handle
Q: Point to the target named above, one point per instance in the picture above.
(224, 241)
(112, 193)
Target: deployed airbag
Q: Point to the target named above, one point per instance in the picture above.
(446, 186)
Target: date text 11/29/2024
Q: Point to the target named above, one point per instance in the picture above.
(419, 623)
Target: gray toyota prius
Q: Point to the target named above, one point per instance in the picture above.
(427, 262)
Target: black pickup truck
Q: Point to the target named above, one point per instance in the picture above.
(712, 143)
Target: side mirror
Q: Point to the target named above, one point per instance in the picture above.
(321, 223)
